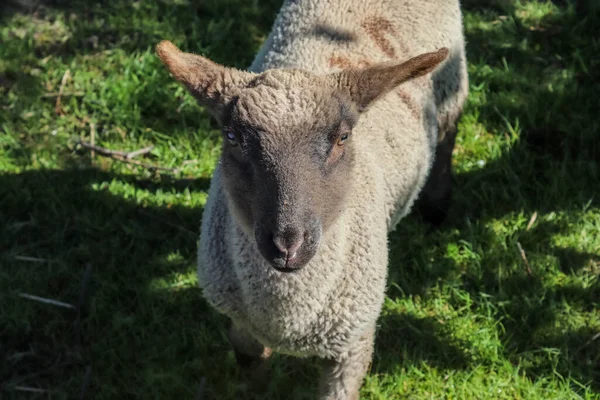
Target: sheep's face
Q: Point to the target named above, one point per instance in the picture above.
(287, 151)
(287, 160)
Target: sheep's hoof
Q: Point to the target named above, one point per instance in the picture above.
(253, 364)
(246, 361)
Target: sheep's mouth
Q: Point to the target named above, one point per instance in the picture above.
(287, 270)
(291, 265)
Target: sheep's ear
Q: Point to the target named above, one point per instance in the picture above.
(212, 84)
(367, 85)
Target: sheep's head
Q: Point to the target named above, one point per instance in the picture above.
(287, 150)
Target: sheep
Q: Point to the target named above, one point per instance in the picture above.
(345, 118)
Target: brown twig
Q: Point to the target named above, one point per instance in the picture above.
(126, 156)
(47, 301)
(31, 259)
(63, 94)
(135, 153)
(92, 138)
(30, 389)
(63, 82)
(524, 257)
(148, 166)
(103, 151)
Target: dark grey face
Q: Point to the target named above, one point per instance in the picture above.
(287, 174)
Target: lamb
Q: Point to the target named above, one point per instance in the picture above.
(345, 118)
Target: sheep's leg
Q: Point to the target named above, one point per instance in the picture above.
(249, 353)
(434, 201)
(342, 378)
(251, 356)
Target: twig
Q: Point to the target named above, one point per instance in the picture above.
(149, 166)
(524, 257)
(116, 153)
(63, 94)
(135, 153)
(47, 301)
(126, 156)
(92, 138)
(31, 259)
(63, 82)
(30, 389)
(103, 151)
(531, 221)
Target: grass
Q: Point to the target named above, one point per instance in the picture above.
(464, 318)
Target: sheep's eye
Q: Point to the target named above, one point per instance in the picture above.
(343, 139)
(231, 138)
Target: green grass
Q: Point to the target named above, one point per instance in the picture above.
(463, 317)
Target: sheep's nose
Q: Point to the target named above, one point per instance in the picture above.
(288, 242)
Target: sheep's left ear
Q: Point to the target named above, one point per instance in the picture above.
(367, 85)
(212, 84)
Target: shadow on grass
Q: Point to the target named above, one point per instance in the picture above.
(142, 255)
(410, 340)
(146, 318)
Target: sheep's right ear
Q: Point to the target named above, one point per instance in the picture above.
(367, 85)
(212, 84)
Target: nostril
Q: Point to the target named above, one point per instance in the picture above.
(293, 248)
(307, 237)
(288, 243)
(280, 244)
